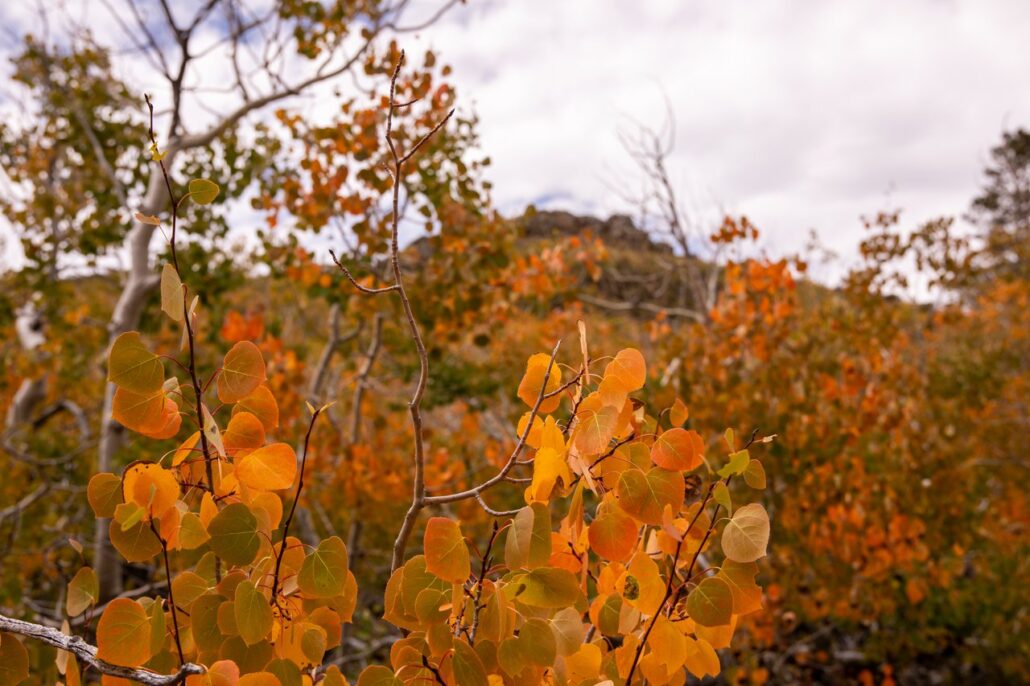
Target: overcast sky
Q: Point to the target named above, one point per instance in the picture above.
(802, 115)
(799, 114)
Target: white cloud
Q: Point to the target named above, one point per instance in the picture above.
(799, 114)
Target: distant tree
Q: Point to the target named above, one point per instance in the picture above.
(1003, 207)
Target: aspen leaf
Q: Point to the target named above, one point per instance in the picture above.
(754, 475)
(136, 543)
(104, 493)
(746, 535)
(737, 464)
(244, 432)
(131, 366)
(678, 413)
(139, 412)
(549, 467)
(171, 293)
(260, 679)
(252, 612)
(613, 535)
(628, 368)
(203, 191)
(675, 449)
(548, 587)
(467, 666)
(740, 577)
(150, 486)
(594, 429)
(701, 658)
(83, 592)
(323, 573)
(710, 603)
(146, 219)
(270, 468)
(14, 660)
(645, 496)
(234, 536)
(123, 633)
(377, 675)
(567, 626)
(261, 403)
(528, 542)
(529, 387)
(243, 370)
(447, 556)
(721, 495)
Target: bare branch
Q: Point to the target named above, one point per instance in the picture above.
(88, 654)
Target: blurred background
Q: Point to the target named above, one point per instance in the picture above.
(814, 220)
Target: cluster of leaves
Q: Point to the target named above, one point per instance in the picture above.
(613, 592)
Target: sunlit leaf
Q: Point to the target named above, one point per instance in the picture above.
(613, 535)
(529, 387)
(243, 370)
(676, 449)
(746, 535)
(132, 367)
(171, 293)
(123, 633)
(270, 468)
(447, 556)
(203, 191)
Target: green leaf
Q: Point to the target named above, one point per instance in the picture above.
(171, 293)
(721, 494)
(323, 573)
(711, 602)
(253, 613)
(203, 191)
(737, 464)
(548, 587)
(132, 367)
(234, 534)
(83, 592)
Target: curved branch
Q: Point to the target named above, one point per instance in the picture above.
(88, 654)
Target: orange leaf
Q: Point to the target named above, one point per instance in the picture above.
(243, 370)
(447, 556)
(676, 449)
(270, 468)
(123, 633)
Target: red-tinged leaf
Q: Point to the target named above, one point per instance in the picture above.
(710, 603)
(83, 592)
(645, 496)
(324, 572)
(270, 468)
(675, 449)
(131, 366)
(447, 556)
(261, 403)
(613, 535)
(140, 412)
(123, 633)
(628, 369)
(245, 432)
(167, 426)
(243, 370)
(594, 429)
(14, 661)
(678, 413)
(104, 493)
(746, 536)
